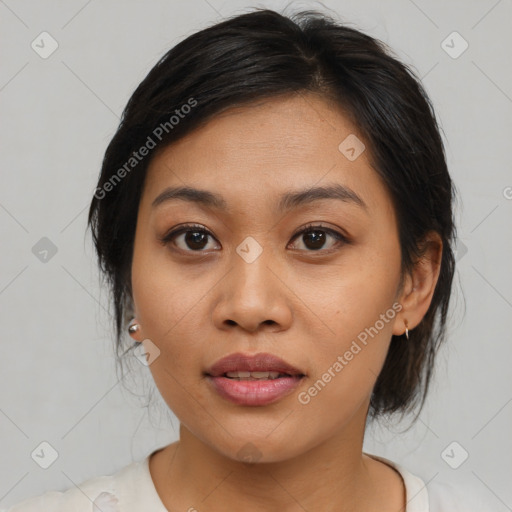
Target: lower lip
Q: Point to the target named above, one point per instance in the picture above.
(254, 392)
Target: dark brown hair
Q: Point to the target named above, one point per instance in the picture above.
(264, 54)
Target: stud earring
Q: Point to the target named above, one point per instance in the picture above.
(406, 329)
(133, 327)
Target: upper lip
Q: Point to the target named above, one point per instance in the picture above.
(262, 362)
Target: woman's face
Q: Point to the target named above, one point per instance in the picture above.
(326, 306)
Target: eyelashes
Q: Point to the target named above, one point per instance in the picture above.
(187, 228)
(319, 228)
(197, 234)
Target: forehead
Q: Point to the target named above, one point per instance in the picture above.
(265, 148)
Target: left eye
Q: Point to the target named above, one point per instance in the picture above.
(314, 237)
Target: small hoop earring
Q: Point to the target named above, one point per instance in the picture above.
(406, 329)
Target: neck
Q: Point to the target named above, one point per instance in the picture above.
(334, 475)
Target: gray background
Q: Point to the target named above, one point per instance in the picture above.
(58, 378)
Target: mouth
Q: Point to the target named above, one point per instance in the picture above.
(253, 380)
(248, 367)
(268, 375)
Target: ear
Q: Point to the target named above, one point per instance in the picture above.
(131, 312)
(420, 284)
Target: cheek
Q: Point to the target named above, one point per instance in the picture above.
(350, 297)
(357, 307)
(345, 368)
(171, 303)
(164, 294)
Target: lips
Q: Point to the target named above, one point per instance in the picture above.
(257, 380)
(262, 362)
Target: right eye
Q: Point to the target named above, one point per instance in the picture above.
(189, 238)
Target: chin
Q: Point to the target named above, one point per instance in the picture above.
(259, 449)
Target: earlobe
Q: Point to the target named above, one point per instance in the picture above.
(402, 331)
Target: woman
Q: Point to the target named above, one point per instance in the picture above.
(274, 217)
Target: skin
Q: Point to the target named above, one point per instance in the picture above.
(304, 305)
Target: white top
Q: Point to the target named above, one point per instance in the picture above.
(131, 490)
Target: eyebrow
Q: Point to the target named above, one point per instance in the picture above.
(289, 200)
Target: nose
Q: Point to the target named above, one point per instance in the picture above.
(253, 295)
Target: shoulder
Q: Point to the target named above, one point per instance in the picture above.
(440, 496)
(448, 497)
(95, 494)
(103, 493)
